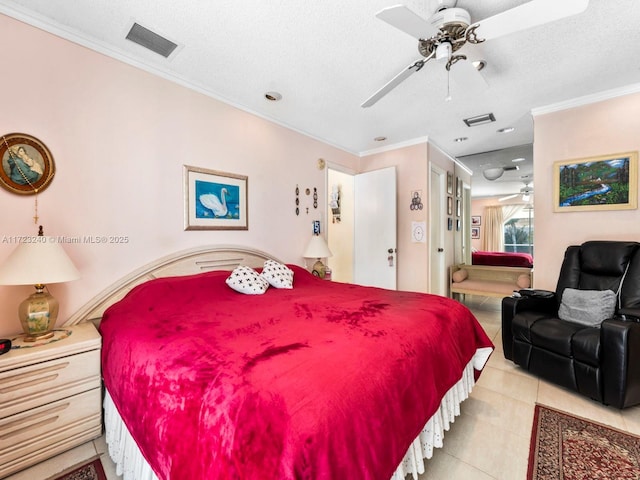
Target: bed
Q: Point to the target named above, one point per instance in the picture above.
(491, 274)
(502, 259)
(322, 380)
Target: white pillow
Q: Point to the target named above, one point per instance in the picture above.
(587, 307)
(278, 275)
(246, 280)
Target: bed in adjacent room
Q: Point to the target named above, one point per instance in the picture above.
(502, 259)
(319, 381)
(491, 274)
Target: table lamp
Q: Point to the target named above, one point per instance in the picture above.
(38, 261)
(317, 248)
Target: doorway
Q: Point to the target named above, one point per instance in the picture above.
(375, 225)
(340, 224)
(367, 208)
(437, 195)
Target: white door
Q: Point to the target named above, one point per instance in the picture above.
(375, 228)
(437, 205)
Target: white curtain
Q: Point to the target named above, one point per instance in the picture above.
(495, 217)
(510, 211)
(492, 237)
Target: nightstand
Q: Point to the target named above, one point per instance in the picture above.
(50, 398)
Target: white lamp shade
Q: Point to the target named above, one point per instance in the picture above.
(39, 262)
(317, 248)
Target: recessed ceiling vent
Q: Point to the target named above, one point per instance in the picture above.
(511, 168)
(480, 120)
(151, 40)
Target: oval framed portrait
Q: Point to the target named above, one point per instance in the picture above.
(27, 164)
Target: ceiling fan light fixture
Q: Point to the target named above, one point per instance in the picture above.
(443, 51)
(526, 197)
(479, 64)
(492, 174)
(451, 24)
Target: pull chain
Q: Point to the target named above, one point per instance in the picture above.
(35, 215)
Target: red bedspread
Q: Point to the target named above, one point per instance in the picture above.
(324, 381)
(502, 259)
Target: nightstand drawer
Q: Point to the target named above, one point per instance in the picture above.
(34, 385)
(29, 437)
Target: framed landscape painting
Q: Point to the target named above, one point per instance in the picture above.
(214, 200)
(608, 182)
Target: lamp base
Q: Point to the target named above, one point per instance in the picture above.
(319, 269)
(36, 338)
(38, 314)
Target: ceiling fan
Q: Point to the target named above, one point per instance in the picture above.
(525, 191)
(450, 28)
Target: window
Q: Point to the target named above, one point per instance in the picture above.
(518, 231)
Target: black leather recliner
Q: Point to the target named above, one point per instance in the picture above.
(602, 362)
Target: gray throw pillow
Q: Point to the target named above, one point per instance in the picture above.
(587, 307)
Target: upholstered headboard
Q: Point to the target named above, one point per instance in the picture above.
(186, 262)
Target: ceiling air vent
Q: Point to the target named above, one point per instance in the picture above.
(151, 40)
(511, 168)
(480, 120)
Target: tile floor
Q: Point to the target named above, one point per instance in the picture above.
(490, 440)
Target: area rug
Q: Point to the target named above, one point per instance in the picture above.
(91, 470)
(564, 447)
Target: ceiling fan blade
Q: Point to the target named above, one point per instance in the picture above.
(395, 81)
(508, 197)
(406, 20)
(467, 77)
(528, 15)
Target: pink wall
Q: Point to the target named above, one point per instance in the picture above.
(412, 170)
(411, 175)
(120, 137)
(601, 128)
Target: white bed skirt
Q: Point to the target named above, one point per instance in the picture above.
(132, 466)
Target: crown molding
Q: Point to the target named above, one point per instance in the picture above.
(452, 158)
(395, 146)
(587, 99)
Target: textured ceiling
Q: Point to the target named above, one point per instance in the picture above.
(327, 57)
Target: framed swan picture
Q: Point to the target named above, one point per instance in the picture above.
(27, 164)
(214, 200)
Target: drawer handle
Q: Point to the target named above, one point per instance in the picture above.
(18, 427)
(27, 379)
